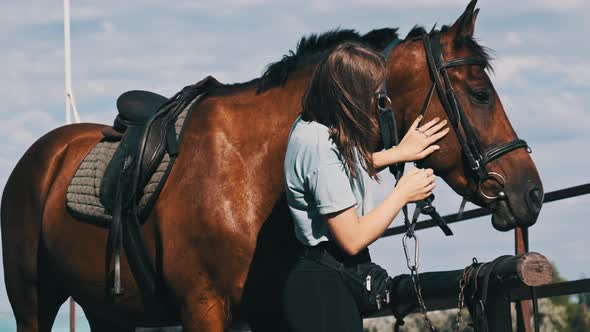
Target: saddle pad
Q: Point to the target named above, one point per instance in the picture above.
(83, 195)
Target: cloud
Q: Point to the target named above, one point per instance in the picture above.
(23, 128)
(545, 117)
(564, 5)
(222, 7)
(29, 76)
(543, 95)
(571, 70)
(513, 38)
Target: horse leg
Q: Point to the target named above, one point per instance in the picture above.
(51, 297)
(38, 305)
(33, 290)
(204, 313)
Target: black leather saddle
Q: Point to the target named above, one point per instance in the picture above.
(135, 109)
(146, 130)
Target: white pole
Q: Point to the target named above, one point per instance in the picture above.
(74, 108)
(67, 54)
(70, 106)
(70, 101)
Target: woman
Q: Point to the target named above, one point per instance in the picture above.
(330, 147)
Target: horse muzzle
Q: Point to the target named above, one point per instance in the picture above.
(517, 208)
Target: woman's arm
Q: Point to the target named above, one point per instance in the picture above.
(353, 234)
(391, 156)
(416, 144)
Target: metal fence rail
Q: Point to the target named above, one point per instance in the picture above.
(480, 212)
(556, 289)
(516, 294)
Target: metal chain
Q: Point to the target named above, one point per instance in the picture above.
(413, 267)
(421, 304)
(461, 300)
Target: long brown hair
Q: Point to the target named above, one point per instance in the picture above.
(341, 96)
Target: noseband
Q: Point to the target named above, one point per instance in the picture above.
(477, 157)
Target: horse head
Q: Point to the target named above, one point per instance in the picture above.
(482, 159)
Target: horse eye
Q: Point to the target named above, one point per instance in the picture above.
(481, 96)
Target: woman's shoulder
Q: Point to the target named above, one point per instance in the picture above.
(311, 135)
(309, 131)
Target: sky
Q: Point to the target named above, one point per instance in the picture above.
(542, 75)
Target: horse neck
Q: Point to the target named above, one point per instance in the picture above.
(293, 88)
(281, 103)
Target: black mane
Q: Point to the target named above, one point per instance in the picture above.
(310, 49)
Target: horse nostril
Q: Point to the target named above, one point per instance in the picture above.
(535, 199)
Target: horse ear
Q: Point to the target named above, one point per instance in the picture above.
(465, 24)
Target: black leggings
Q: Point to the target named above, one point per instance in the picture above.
(316, 299)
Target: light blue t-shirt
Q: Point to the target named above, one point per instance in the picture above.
(316, 181)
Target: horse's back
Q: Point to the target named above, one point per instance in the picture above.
(46, 156)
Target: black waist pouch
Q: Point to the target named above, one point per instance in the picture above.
(368, 282)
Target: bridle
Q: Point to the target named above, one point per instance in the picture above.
(476, 156)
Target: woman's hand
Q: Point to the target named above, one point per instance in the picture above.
(417, 143)
(416, 185)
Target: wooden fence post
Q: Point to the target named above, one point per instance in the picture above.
(523, 308)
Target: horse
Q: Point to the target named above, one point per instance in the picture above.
(220, 233)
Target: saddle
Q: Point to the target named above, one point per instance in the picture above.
(136, 108)
(146, 130)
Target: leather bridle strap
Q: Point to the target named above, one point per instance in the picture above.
(462, 62)
(390, 138)
(447, 98)
(428, 99)
(503, 149)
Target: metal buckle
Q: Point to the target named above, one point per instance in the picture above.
(383, 101)
(501, 180)
(413, 266)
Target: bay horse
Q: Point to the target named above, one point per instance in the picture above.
(220, 233)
